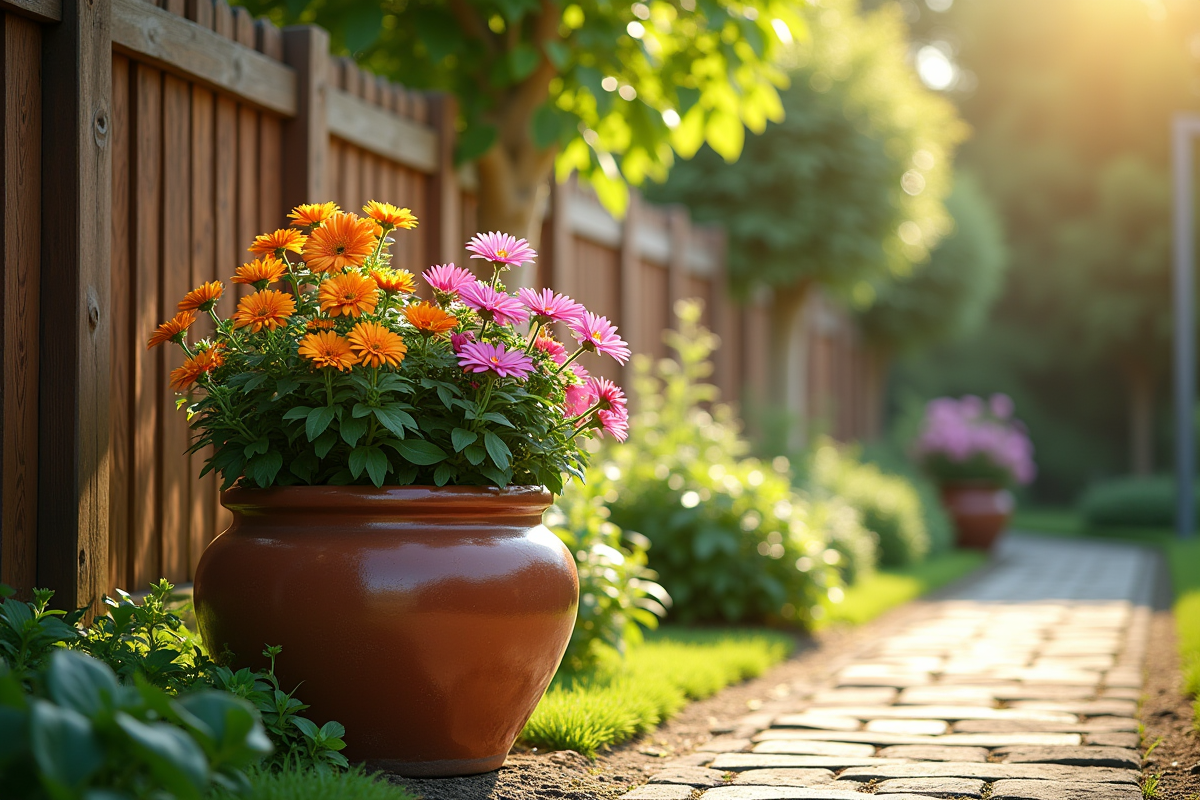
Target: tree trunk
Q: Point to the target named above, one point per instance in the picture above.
(787, 364)
(1140, 380)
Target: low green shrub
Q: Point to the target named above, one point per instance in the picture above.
(1129, 502)
(858, 547)
(889, 504)
(309, 784)
(618, 593)
(731, 540)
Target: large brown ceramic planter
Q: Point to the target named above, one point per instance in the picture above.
(428, 621)
(980, 512)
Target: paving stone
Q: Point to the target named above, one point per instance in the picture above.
(1092, 708)
(660, 791)
(784, 777)
(690, 760)
(690, 776)
(1008, 739)
(1130, 740)
(989, 772)
(724, 744)
(942, 712)
(1124, 679)
(802, 747)
(1044, 692)
(737, 762)
(1093, 725)
(931, 752)
(1121, 694)
(894, 681)
(823, 722)
(780, 793)
(1055, 790)
(861, 696)
(913, 727)
(1079, 756)
(932, 787)
(949, 695)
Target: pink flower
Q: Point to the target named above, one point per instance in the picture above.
(484, 356)
(500, 248)
(615, 423)
(608, 394)
(550, 307)
(551, 347)
(491, 305)
(579, 399)
(457, 340)
(447, 278)
(596, 334)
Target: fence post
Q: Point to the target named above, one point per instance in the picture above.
(445, 226)
(73, 430)
(306, 136)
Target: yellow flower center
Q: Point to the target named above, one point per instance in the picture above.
(503, 254)
(596, 335)
(495, 359)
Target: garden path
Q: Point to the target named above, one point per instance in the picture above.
(1022, 685)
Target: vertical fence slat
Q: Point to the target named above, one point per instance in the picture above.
(306, 148)
(120, 416)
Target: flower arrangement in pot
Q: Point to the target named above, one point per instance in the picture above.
(976, 451)
(387, 460)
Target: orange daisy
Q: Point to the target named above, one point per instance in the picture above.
(376, 345)
(344, 240)
(264, 309)
(327, 349)
(204, 361)
(430, 319)
(321, 324)
(261, 272)
(310, 215)
(173, 329)
(391, 280)
(388, 216)
(350, 294)
(277, 243)
(202, 298)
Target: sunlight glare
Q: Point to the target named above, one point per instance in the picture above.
(782, 31)
(935, 68)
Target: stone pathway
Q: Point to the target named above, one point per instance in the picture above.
(1021, 686)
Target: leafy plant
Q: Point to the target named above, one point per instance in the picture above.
(308, 784)
(352, 379)
(85, 735)
(857, 546)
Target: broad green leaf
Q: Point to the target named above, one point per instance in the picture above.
(420, 451)
(297, 412)
(497, 449)
(475, 454)
(352, 430)
(522, 61)
(173, 756)
(318, 421)
(461, 438)
(474, 142)
(264, 468)
(325, 443)
(64, 745)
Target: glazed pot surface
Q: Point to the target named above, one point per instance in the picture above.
(980, 512)
(428, 621)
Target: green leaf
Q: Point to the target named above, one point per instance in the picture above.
(237, 736)
(307, 727)
(461, 438)
(476, 140)
(80, 682)
(420, 451)
(373, 460)
(497, 417)
(257, 447)
(513, 10)
(475, 454)
(438, 31)
(64, 745)
(394, 420)
(497, 449)
(360, 410)
(324, 443)
(522, 61)
(318, 420)
(263, 469)
(173, 756)
(297, 412)
(353, 429)
(444, 472)
(361, 25)
(558, 53)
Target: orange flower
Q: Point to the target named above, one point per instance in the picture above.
(388, 216)
(261, 272)
(275, 244)
(172, 330)
(264, 309)
(203, 297)
(344, 240)
(391, 280)
(199, 364)
(428, 318)
(327, 349)
(350, 294)
(310, 215)
(376, 345)
(321, 324)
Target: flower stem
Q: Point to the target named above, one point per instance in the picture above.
(533, 337)
(564, 365)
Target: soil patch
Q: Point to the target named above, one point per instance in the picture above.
(1167, 713)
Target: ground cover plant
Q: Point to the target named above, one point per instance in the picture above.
(621, 697)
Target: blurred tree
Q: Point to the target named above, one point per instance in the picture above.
(608, 90)
(848, 188)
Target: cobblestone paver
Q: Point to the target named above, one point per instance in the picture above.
(1021, 686)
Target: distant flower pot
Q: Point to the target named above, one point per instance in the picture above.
(428, 621)
(980, 512)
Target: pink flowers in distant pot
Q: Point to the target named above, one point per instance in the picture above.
(968, 440)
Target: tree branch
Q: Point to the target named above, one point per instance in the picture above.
(472, 23)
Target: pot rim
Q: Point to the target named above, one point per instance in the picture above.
(394, 501)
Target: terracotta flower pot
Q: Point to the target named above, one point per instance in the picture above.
(428, 621)
(980, 512)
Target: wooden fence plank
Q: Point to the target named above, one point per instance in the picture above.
(36, 10)
(442, 241)
(20, 250)
(200, 12)
(121, 412)
(306, 146)
(371, 128)
(74, 382)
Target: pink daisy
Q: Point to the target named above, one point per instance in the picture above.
(447, 278)
(500, 248)
(484, 356)
(596, 334)
(615, 423)
(547, 306)
(457, 340)
(551, 347)
(579, 399)
(610, 396)
(491, 305)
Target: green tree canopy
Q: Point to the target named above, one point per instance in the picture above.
(610, 90)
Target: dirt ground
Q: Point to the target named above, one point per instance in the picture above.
(1166, 713)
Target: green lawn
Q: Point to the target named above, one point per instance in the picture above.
(886, 589)
(297, 784)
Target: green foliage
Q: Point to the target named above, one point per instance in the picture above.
(83, 734)
(857, 546)
(621, 697)
(821, 196)
(731, 540)
(308, 784)
(888, 504)
(618, 595)
(950, 295)
(1130, 502)
(613, 88)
